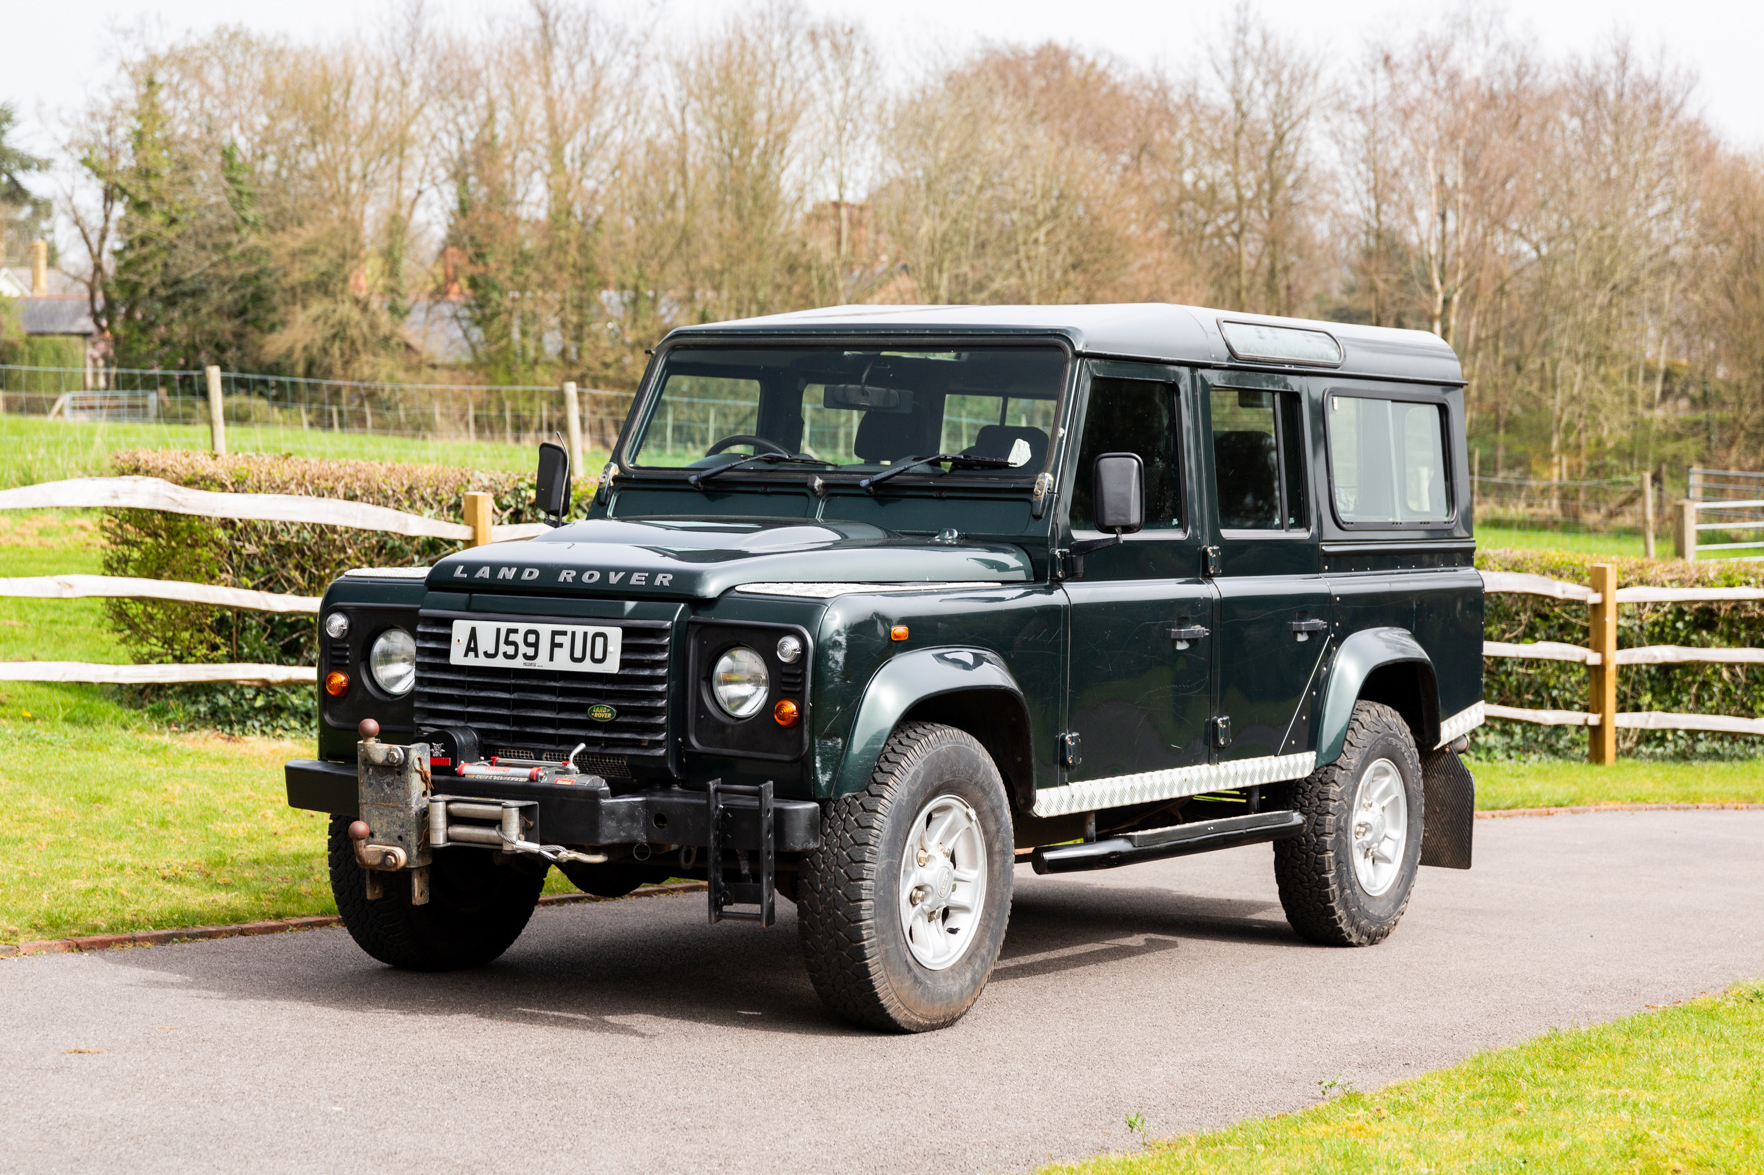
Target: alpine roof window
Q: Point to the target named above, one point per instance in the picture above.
(1387, 460)
(1280, 344)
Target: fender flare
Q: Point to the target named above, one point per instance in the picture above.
(902, 682)
(1360, 655)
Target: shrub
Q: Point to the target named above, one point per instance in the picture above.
(1684, 689)
(294, 558)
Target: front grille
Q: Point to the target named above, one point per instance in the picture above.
(536, 714)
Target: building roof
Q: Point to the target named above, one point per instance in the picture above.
(1148, 330)
(65, 315)
(59, 281)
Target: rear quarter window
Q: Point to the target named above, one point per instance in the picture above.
(1387, 461)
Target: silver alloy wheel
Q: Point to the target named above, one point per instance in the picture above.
(942, 882)
(1380, 825)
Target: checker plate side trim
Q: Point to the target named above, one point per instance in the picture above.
(1463, 722)
(1120, 790)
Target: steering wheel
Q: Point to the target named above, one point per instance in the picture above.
(742, 438)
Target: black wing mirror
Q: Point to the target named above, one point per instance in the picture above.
(551, 496)
(1120, 493)
(1119, 497)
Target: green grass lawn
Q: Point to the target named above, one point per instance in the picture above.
(33, 449)
(1676, 1090)
(108, 824)
(1562, 783)
(1494, 537)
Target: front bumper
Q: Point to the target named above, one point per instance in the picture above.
(573, 815)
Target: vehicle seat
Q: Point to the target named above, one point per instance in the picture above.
(1248, 472)
(997, 440)
(884, 437)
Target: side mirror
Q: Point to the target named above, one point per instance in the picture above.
(552, 494)
(1119, 492)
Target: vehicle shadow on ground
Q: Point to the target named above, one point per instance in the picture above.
(647, 967)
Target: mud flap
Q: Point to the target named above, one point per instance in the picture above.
(1450, 808)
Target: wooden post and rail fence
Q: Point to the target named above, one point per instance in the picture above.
(1602, 597)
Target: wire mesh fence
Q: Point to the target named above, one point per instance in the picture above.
(1613, 505)
(58, 422)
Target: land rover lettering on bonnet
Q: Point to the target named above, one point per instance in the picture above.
(872, 607)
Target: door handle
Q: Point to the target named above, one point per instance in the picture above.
(1302, 629)
(1182, 634)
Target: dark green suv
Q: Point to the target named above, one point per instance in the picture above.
(873, 605)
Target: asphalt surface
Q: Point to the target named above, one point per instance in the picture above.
(631, 1036)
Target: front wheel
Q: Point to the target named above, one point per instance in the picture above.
(902, 908)
(476, 907)
(1345, 880)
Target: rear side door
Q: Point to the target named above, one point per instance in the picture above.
(1274, 605)
(1140, 656)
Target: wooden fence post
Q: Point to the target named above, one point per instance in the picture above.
(573, 426)
(1684, 530)
(217, 420)
(480, 517)
(1602, 678)
(1647, 492)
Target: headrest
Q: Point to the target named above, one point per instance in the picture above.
(1246, 469)
(884, 436)
(997, 440)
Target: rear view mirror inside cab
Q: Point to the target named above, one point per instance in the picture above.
(868, 398)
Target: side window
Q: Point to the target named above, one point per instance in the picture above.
(1259, 460)
(1387, 460)
(1131, 416)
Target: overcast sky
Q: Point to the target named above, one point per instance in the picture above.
(55, 48)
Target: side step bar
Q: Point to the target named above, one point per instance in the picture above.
(1179, 840)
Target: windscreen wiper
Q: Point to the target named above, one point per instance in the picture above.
(698, 479)
(966, 460)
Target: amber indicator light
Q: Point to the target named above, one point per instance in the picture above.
(898, 633)
(336, 683)
(786, 712)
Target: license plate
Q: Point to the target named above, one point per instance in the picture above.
(563, 648)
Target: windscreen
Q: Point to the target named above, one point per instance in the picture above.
(850, 408)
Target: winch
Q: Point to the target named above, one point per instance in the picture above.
(401, 822)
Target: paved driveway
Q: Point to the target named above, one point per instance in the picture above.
(631, 1036)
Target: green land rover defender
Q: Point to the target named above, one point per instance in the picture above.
(873, 605)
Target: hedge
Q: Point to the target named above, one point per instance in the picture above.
(1681, 689)
(296, 558)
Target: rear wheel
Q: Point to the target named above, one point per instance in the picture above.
(1346, 879)
(902, 908)
(476, 907)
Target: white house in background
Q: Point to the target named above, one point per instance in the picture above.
(52, 306)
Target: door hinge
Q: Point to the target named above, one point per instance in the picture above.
(1222, 731)
(1212, 561)
(1071, 749)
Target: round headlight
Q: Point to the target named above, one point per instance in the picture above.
(393, 662)
(337, 625)
(739, 682)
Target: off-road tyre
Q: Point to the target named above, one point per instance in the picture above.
(476, 908)
(1323, 899)
(848, 900)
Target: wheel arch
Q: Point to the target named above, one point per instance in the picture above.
(967, 688)
(1386, 665)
